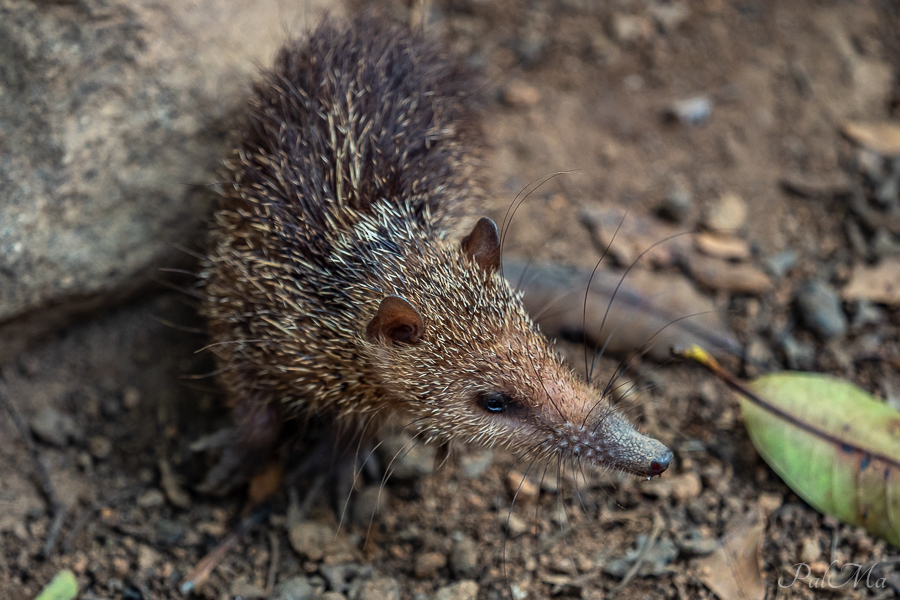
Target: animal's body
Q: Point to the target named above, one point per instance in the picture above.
(336, 288)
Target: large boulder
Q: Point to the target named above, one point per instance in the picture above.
(113, 118)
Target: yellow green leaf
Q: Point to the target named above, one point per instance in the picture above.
(63, 586)
(834, 444)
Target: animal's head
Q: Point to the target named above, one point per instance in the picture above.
(453, 345)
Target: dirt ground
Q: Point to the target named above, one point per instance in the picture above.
(588, 87)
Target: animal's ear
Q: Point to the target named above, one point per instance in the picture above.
(397, 321)
(483, 244)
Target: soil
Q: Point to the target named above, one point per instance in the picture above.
(577, 86)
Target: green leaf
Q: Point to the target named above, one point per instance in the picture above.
(834, 444)
(62, 587)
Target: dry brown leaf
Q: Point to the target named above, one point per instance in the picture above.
(659, 310)
(740, 278)
(734, 570)
(880, 283)
(627, 237)
(722, 246)
(881, 136)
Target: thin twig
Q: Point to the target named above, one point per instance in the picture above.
(275, 559)
(56, 510)
(642, 553)
(198, 576)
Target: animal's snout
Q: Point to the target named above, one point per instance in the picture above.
(660, 463)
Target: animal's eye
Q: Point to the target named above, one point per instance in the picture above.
(495, 402)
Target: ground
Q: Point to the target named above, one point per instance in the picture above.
(592, 89)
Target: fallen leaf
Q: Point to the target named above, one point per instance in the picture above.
(734, 570)
(741, 278)
(626, 238)
(722, 246)
(835, 445)
(63, 586)
(658, 310)
(881, 136)
(880, 283)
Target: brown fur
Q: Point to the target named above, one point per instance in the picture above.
(363, 147)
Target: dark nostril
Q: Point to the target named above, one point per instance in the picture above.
(661, 464)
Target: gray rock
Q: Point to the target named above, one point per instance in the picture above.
(820, 309)
(406, 459)
(464, 556)
(779, 265)
(168, 532)
(692, 111)
(113, 117)
(655, 562)
(341, 577)
(380, 588)
(866, 313)
(295, 588)
(461, 590)
(799, 356)
(474, 463)
(368, 504)
(56, 427)
(678, 203)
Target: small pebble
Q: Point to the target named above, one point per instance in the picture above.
(810, 551)
(521, 488)
(686, 486)
(247, 591)
(799, 356)
(151, 499)
(368, 504)
(865, 313)
(100, 447)
(464, 557)
(120, 566)
(295, 588)
(168, 532)
(692, 111)
(512, 523)
(341, 577)
(29, 365)
(727, 213)
(461, 590)
(56, 427)
(409, 459)
(630, 29)
(519, 94)
(669, 15)
(678, 203)
(317, 540)
(821, 311)
(332, 596)
(779, 265)
(769, 502)
(380, 588)
(131, 397)
(475, 463)
(147, 557)
(429, 563)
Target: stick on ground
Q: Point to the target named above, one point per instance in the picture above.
(55, 508)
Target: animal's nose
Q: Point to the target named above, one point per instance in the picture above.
(661, 463)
